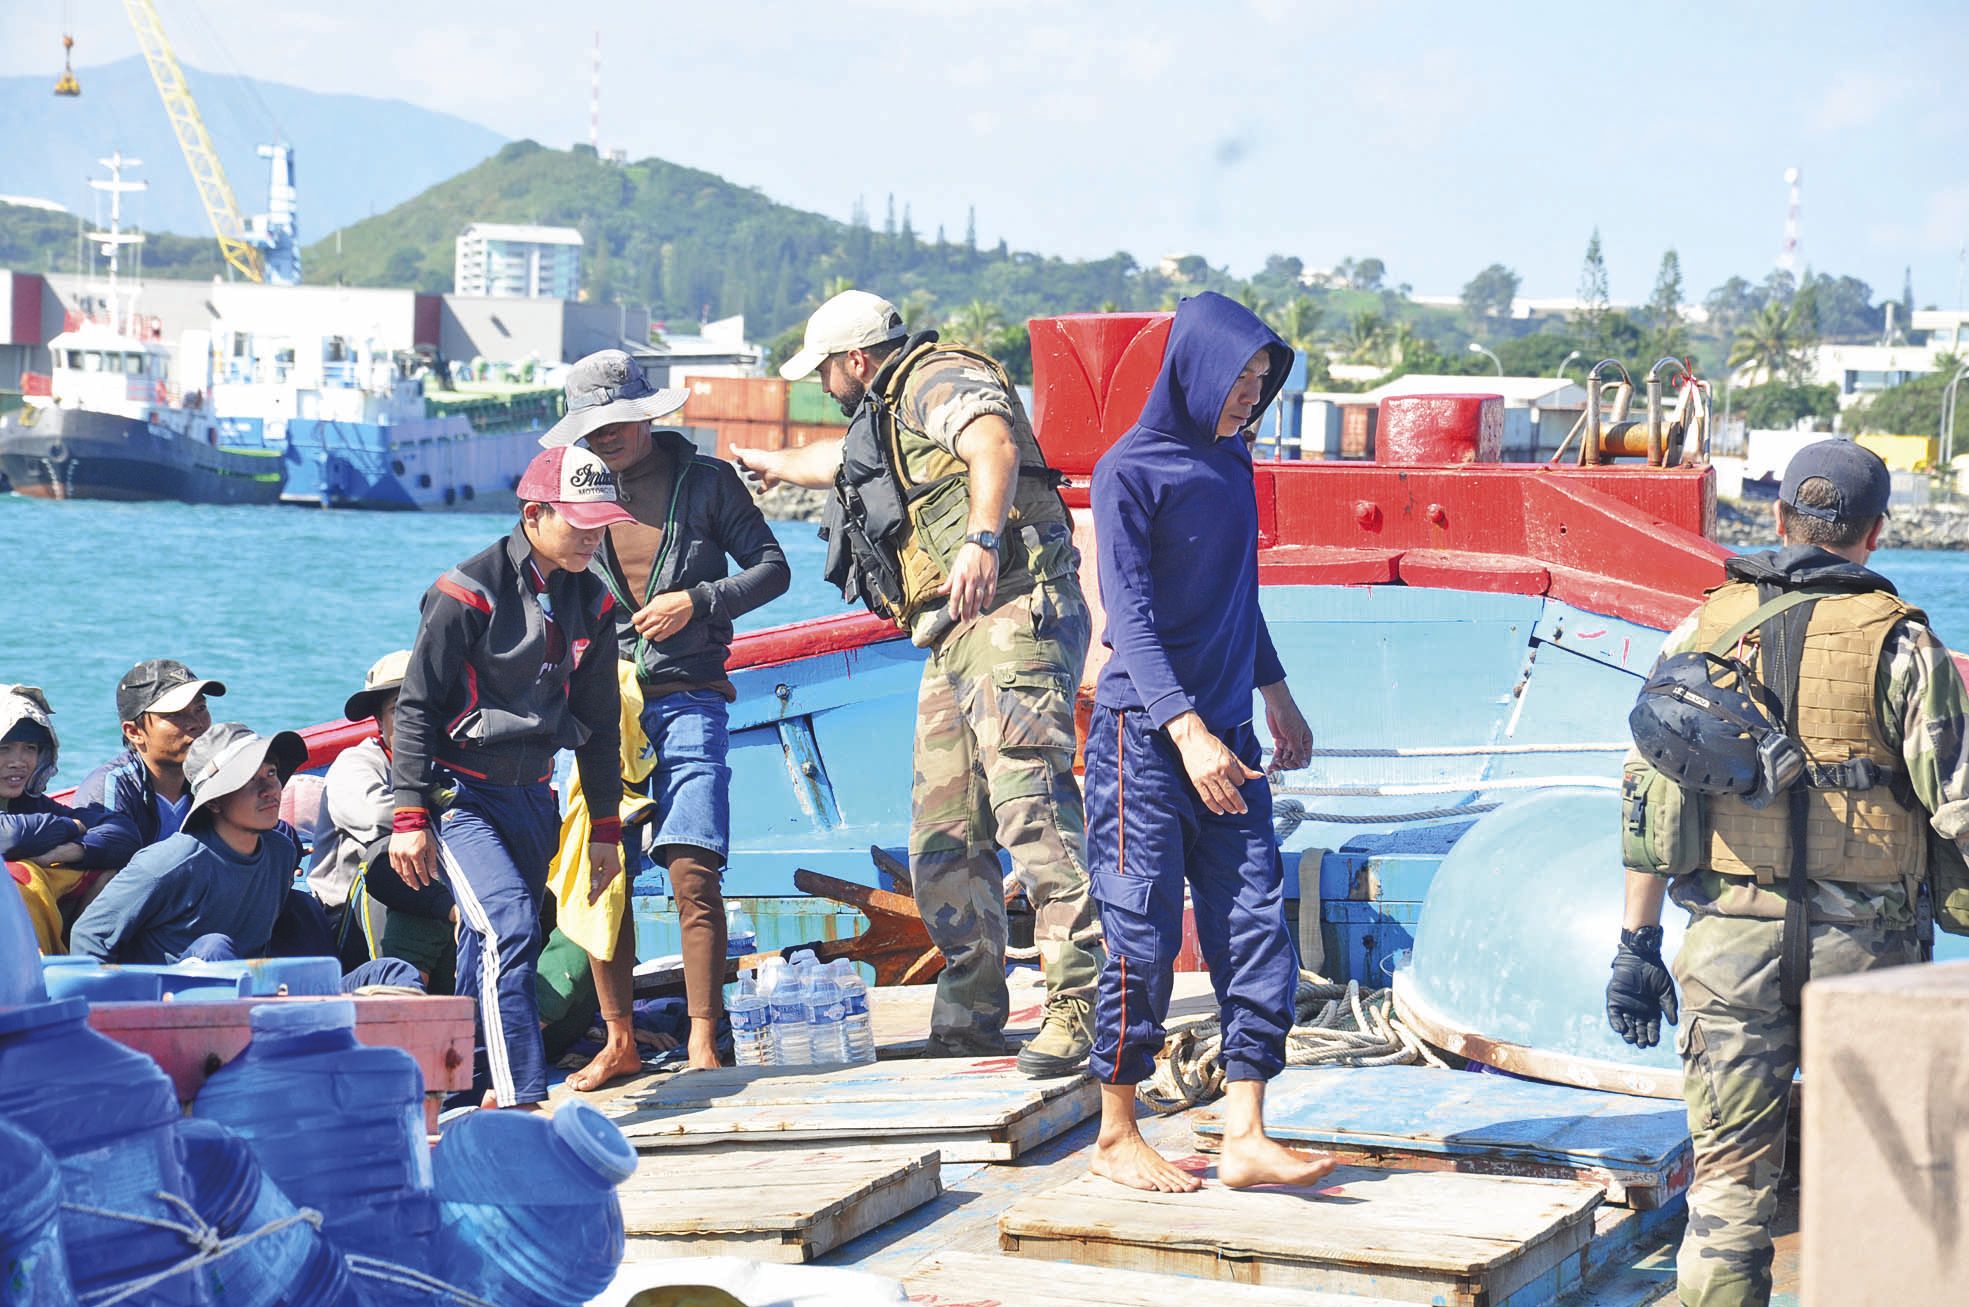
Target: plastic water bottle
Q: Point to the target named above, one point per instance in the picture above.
(751, 1033)
(292, 1267)
(740, 936)
(854, 1000)
(792, 1044)
(337, 1125)
(107, 1113)
(528, 1212)
(827, 1017)
(33, 1268)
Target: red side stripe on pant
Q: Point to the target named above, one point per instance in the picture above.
(1120, 869)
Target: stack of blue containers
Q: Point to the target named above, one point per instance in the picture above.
(306, 1118)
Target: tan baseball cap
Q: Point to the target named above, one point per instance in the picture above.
(854, 319)
(383, 679)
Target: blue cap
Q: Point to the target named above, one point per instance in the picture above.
(1859, 480)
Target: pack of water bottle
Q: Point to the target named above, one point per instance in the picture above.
(801, 1012)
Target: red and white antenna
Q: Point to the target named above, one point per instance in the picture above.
(1788, 252)
(595, 98)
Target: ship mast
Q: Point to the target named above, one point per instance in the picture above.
(113, 240)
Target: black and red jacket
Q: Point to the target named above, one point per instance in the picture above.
(497, 685)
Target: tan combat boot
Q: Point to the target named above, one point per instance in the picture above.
(1065, 1038)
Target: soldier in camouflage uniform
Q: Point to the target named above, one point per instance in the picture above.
(1874, 685)
(948, 521)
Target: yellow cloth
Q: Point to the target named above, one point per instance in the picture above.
(594, 926)
(42, 894)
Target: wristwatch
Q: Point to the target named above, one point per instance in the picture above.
(983, 540)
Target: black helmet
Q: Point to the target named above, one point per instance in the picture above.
(1709, 725)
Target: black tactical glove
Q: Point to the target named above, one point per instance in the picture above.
(1640, 992)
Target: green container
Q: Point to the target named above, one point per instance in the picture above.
(808, 405)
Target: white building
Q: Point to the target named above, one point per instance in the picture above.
(505, 261)
(715, 349)
(1863, 370)
(1948, 329)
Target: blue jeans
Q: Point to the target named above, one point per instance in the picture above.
(692, 784)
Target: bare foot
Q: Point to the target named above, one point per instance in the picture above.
(703, 1052)
(612, 1063)
(490, 1103)
(1250, 1160)
(1129, 1160)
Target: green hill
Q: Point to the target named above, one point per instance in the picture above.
(690, 244)
(41, 240)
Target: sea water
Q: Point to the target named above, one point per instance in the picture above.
(287, 605)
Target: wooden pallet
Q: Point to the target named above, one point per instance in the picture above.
(956, 1279)
(771, 1207)
(901, 1013)
(1416, 1118)
(968, 1109)
(1446, 1238)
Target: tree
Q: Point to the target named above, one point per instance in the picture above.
(1192, 267)
(1299, 324)
(1768, 345)
(1779, 405)
(1731, 305)
(403, 267)
(971, 228)
(1254, 299)
(1914, 408)
(1490, 292)
(1366, 332)
(1667, 334)
(1593, 288)
(889, 223)
(978, 326)
(1362, 274)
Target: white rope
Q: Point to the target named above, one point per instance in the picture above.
(202, 1238)
(1469, 751)
(1288, 815)
(1333, 1025)
(375, 1268)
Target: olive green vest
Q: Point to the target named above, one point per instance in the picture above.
(1865, 836)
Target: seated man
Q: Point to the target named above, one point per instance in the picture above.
(227, 873)
(36, 829)
(162, 708)
(359, 805)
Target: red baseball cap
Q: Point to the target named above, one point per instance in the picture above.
(577, 483)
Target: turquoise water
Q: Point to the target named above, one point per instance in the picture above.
(288, 606)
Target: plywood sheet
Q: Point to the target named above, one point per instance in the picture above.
(957, 1279)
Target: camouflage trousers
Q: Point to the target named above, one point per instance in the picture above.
(1739, 1046)
(994, 769)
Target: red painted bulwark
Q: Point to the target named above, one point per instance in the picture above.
(1440, 429)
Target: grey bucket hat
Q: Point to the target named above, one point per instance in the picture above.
(231, 754)
(607, 387)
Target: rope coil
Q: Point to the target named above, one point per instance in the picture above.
(1333, 1025)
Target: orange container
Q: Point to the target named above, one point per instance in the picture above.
(753, 435)
(798, 436)
(715, 400)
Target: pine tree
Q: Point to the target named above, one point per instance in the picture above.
(889, 223)
(858, 216)
(1667, 334)
(971, 229)
(1593, 289)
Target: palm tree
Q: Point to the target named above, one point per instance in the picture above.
(1769, 344)
(1365, 333)
(977, 325)
(1252, 298)
(1300, 322)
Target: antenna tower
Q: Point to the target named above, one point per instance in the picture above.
(1788, 253)
(595, 99)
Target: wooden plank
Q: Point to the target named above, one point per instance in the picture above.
(777, 1207)
(1417, 1118)
(901, 1013)
(959, 1279)
(970, 1109)
(1447, 1238)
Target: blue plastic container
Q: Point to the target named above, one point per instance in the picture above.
(102, 984)
(107, 1114)
(294, 1266)
(33, 1268)
(338, 1125)
(529, 1216)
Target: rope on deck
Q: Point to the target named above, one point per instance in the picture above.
(1468, 751)
(1333, 1025)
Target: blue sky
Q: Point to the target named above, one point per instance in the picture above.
(1438, 137)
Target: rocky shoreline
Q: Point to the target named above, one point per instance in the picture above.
(784, 503)
(1747, 524)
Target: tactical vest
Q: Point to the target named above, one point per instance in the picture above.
(902, 504)
(1863, 824)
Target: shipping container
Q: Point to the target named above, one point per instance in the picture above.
(717, 400)
(1357, 422)
(809, 405)
(752, 435)
(798, 434)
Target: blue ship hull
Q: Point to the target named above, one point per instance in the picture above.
(439, 463)
(66, 453)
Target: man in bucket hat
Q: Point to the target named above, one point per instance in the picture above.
(514, 661)
(359, 803)
(675, 604)
(227, 873)
(161, 704)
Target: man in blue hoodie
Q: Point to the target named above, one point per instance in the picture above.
(1174, 789)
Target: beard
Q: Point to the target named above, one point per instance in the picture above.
(850, 399)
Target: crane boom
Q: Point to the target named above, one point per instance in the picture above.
(221, 208)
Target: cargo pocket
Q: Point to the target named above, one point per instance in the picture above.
(1035, 706)
(1128, 893)
(1698, 1076)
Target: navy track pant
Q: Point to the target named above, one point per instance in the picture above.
(496, 843)
(1147, 834)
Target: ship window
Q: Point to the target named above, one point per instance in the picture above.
(133, 365)
(92, 360)
(72, 358)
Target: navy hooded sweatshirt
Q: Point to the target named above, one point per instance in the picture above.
(1176, 532)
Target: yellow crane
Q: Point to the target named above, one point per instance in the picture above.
(221, 208)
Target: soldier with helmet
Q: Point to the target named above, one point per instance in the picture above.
(947, 520)
(1800, 784)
